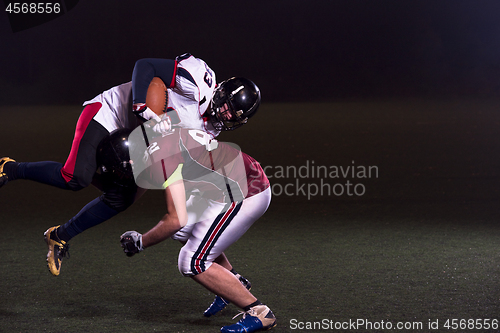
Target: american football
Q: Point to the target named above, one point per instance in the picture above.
(157, 97)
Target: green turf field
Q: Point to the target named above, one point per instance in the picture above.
(420, 245)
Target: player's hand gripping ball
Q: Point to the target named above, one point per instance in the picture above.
(131, 242)
(164, 126)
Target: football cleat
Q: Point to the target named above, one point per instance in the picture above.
(3, 176)
(258, 318)
(220, 303)
(217, 305)
(58, 249)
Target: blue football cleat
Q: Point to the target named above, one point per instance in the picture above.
(220, 303)
(258, 318)
(217, 305)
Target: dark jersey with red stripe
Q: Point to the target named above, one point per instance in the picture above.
(215, 170)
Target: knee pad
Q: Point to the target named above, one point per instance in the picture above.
(119, 197)
(191, 263)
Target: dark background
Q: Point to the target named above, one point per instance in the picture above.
(294, 50)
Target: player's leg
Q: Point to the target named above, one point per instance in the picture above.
(75, 174)
(45, 172)
(116, 198)
(80, 166)
(224, 262)
(219, 302)
(201, 209)
(222, 282)
(207, 243)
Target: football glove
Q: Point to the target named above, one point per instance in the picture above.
(144, 113)
(163, 125)
(131, 242)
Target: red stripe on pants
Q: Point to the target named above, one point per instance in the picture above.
(212, 236)
(81, 126)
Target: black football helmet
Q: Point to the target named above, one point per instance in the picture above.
(233, 103)
(113, 154)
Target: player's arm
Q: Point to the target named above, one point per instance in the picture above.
(173, 220)
(145, 70)
(133, 242)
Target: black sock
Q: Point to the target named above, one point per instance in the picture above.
(248, 307)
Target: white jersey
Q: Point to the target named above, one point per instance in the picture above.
(187, 101)
(190, 97)
(116, 109)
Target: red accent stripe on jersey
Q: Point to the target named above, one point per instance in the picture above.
(211, 160)
(172, 83)
(81, 126)
(211, 238)
(164, 171)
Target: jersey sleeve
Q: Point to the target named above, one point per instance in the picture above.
(148, 68)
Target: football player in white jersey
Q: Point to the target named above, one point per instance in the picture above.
(191, 82)
(214, 193)
(190, 87)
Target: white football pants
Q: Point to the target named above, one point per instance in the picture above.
(213, 226)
